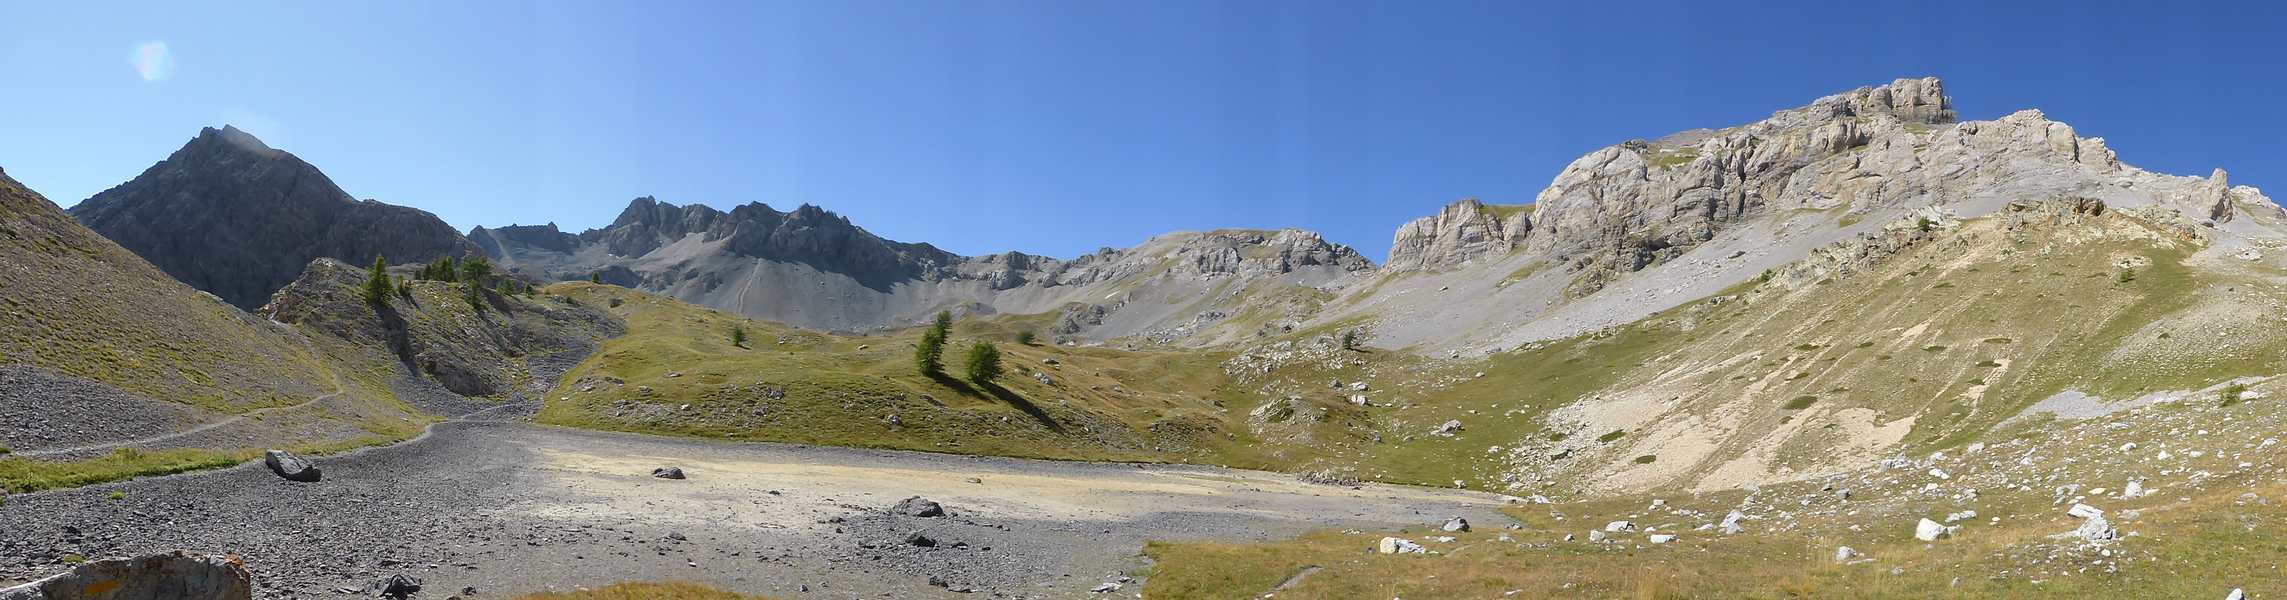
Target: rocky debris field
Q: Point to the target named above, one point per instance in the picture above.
(40, 409)
(504, 508)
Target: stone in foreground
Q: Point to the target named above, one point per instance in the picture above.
(172, 576)
(291, 467)
(668, 472)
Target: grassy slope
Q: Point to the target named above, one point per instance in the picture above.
(76, 303)
(805, 387)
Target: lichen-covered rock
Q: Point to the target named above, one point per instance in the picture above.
(170, 576)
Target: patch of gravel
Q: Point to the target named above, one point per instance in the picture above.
(41, 409)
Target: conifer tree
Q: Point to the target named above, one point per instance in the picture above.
(377, 287)
(984, 363)
(929, 354)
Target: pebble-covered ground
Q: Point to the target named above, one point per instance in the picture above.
(505, 507)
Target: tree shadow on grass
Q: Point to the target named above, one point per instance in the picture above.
(1004, 395)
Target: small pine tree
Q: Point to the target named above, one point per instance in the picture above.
(1350, 339)
(448, 271)
(476, 270)
(929, 354)
(738, 336)
(984, 363)
(595, 278)
(1024, 338)
(377, 285)
(405, 289)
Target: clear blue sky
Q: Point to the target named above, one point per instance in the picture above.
(1060, 126)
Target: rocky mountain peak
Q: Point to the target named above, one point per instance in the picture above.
(1460, 232)
(232, 216)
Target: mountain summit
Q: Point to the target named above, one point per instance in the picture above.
(239, 219)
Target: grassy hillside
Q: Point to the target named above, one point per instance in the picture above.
(77, 304)
(677, 371)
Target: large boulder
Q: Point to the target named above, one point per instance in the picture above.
(291, 467)
(172, 576)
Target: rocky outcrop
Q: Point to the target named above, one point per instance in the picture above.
(1462, 232)
(240, 219)
(2215, 194)
(542, 237)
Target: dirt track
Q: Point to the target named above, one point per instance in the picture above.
(510, 508)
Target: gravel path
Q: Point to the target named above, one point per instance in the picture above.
(509, 507)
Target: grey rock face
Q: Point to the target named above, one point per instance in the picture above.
(812, 268)
(238, 219)
(291, 467)
(172, 576)
(1461, 232)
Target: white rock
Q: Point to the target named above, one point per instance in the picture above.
(1844, 553)
(2096, 530)
(1929, 531)
(2084, 511)
(1662, 538)
(1939, 473)
(2235, 594)
(1391, 545)
(1620, 526)
(1596, 535)
(2135, 488)
(1731, 522)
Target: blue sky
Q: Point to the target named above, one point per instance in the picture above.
(1057, 127)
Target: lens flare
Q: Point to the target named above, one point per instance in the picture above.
(152, 61)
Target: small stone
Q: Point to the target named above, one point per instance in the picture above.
(1456, 524)
(1843, 554)
(668, 472)
(1929, 531)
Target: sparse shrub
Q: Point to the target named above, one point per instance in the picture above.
(377, 286)
(2126, 275)
(1647, 459)
(2231, 394)
(738, 336)
(474, 294)
(1024, 337)
(928, 355)
(984, 363)
(1800, 402)
(1349, 339)
(1924, 224)
(117, 495)
(1609, 437)
(73, 559)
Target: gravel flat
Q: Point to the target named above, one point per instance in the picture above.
(508, 507)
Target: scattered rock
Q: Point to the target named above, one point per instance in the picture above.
(668, 472)
(399, 586)
(1620, 526)
(918, 507)
(2096, 530)
(920, 539)
(1596, 535)
(1661, 538)
(1391, 545)
(1456, 524)
(1843, 554)
(2084, 511)
(1929, 531)
(290, 467)
(1448, 428)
